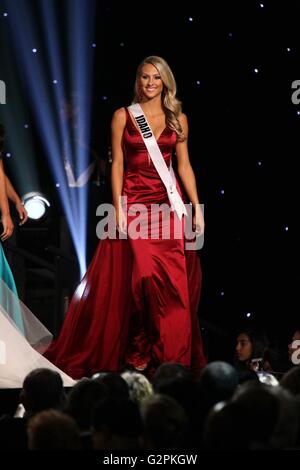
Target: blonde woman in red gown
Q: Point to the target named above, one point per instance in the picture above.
(137, 304)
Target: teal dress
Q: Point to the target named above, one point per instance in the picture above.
(10, 303)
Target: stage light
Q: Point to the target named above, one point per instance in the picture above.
(36, 205)
(60, 133)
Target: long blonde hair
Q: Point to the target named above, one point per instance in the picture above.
(170, 104)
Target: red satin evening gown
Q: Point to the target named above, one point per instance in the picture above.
(138, 301)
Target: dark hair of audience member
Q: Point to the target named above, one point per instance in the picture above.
(53, 430)
(42, 389)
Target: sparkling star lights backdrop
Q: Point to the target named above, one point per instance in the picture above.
(234, 63)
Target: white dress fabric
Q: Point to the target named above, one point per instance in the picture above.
(21, 351)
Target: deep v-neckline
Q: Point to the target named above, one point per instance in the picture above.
(139, 132)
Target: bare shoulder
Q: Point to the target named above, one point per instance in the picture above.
(119, 116)
(118, 121)
(183, 119)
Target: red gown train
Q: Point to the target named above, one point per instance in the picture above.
(138, 301)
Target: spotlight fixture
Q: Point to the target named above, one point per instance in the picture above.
(35, 204)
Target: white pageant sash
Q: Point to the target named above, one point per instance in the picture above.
(167, 176)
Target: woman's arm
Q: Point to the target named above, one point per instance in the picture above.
(7, 223)
(117, 167)
(187, 176)
(14, 197)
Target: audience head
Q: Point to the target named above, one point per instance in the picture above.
(116, 385)
(165, 423)
(218, 381)
(170, 370)
(139, 386)
(251, 344)
(116, 424)
(42, 389)
(53, 430)
(82, 399)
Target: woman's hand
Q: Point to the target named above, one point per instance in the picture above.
(198, 221)
(121, 219)
(8, 227)
(22, 212)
